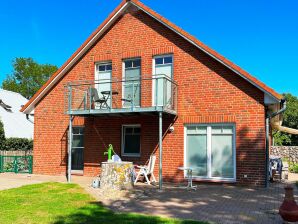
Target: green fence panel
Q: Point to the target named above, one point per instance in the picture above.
(16, 164)
(1, 164)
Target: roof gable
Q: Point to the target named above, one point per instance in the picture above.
(109, 21)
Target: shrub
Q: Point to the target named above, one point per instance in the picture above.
(293, 168)
(2, 135)
(23, 144)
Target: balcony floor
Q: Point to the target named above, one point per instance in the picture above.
(122, 111)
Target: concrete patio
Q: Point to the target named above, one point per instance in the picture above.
(212, 203)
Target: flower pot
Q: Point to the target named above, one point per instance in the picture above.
(289, 209)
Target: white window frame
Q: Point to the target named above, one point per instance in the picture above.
(123, 78)
(209, 136)
(101, 63)
(123, 140)
(154, 73)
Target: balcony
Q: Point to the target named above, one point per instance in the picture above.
(120, 97)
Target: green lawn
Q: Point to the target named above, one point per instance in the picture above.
(59, 203)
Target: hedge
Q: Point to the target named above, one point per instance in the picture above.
(12, 144)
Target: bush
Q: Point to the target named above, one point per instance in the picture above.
(13, 144)
(293, 168)
(23, 144)
(2, 135)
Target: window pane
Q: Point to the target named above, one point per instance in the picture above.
(132, 89)
(132, 74)
(77, 160)
(164, 70)
(128, 130)
(128, 64)
(158, 61)
(101, 68)
(197, 130)
(137, 63)
(132, 144)
(164, 89)
(228, 129)
(75, 130)
(109, 67)
(137, 130)
(168, 60)
(77, 141)
(81, 130)
(196, 154)
(222, 156)
(216, 129)
(222, 130)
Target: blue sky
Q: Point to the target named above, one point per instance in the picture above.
(261, 36)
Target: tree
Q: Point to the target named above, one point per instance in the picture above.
(2, 136)
(28, 76)
(290, 119)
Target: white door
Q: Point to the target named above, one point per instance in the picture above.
(103, 77)
(162, 88)
(132, 84)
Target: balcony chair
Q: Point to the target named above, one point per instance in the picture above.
(95, 99)
(147, 170)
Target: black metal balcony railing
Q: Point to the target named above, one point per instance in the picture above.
(157, 93)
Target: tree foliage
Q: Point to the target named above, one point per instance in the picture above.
(2, 135)
(27, 76)
(290, 119)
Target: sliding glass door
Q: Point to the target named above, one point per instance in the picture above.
(210, 151)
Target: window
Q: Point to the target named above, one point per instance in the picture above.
(210, 149)
(104, 67)
(132, 84)
(131, 140)
(77, 150)
(162, 88)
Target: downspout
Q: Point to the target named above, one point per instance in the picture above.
(268, 117)
(28, 118)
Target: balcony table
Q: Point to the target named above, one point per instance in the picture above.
(106, 96)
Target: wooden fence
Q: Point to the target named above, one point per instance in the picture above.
(16, 153)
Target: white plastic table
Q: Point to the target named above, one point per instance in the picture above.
(188, 176)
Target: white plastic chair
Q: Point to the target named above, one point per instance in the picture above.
(147, 170)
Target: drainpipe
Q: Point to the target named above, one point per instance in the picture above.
(268, 117)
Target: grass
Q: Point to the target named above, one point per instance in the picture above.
(59, 203)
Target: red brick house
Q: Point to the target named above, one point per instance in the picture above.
(136, 73)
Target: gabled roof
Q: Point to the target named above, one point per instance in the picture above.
(109, 21)
(15, 122)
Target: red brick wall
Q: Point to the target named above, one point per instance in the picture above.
(208, 93)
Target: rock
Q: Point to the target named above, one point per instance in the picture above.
(116, 175)
(286, 152)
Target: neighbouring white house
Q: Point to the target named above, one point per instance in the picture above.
(16, 124)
